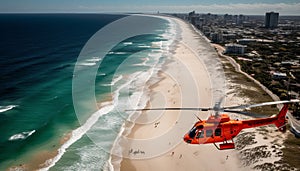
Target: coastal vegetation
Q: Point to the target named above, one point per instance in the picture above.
(263, 66)
(246, 88)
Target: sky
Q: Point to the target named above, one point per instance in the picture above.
(250, 7)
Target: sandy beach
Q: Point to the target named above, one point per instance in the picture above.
(186, 81)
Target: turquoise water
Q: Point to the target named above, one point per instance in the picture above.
(38, 56)
(134, 66)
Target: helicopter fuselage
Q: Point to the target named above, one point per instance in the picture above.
(222, 129)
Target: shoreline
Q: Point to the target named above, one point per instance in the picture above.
(126, 129)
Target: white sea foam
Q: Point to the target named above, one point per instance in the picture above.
(7, 108)
(127, 43)
(114, 81)
(21, 136)
(118, 53)
(90, 62)
(78, 133)
(94, 59)
(144, 46)
(91, 154)
(87, 63)
(144, 63)
(157, 44)
(105, 85)
(101, 74)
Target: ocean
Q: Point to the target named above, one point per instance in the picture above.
(66, 80)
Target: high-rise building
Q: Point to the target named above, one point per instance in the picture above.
(271, 19)
(235, 48)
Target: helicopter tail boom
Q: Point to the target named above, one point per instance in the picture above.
(281, 120)
(278, 120)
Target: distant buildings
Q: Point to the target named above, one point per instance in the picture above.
(193, 17)
(263, 50)
(216, 37)
(271, 20)
(279, 75)
(248, 41)
(233, 48)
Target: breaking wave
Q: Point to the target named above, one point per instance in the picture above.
(21, 136)
(7, 108)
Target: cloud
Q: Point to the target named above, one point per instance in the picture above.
(256, 8)
(239, 8)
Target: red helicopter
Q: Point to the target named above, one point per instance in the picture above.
(219, 128)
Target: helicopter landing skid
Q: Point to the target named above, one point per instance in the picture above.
(225, 146)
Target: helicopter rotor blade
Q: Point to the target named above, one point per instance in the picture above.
(254, 115)
(261, 104)
(198, 117)
(172, 108)
(217, 108)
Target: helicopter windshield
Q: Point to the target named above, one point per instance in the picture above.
(192, 133)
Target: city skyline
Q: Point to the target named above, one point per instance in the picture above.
(250, 7)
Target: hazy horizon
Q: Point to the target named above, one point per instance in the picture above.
(246, 7)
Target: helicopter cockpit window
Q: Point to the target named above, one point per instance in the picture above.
(193, 132)
(200, 127)
(209, 133)
(200, 134)
(218, 132)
